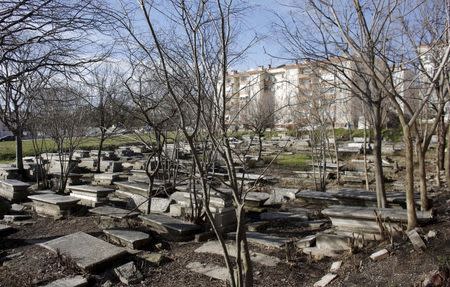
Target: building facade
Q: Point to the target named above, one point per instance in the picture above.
(290, 94)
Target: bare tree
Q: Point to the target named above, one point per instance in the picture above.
(38, 36)
(328, 46)
(153, 109)
(106, 97)
(62, 116)
(258, 115)
(369, 39)
(17, 96)
(317, 108)
(193, 63)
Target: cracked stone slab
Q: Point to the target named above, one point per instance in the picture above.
(113, 212)
(263, 239)
(87, 251)
(210, 270)
(76, 281)
(214, 247)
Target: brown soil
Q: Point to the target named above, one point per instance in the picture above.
(34, 265)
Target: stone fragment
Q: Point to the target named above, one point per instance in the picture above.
(379, 255)
(128, 273)
(128, 238)
(431, 234)
(257, 226)
(177, 210)
(254, 198)
(15, 217)
(154, 258)
(307, 241)
(416, 240)
(332, 241)
(335, 266)
(319, 254)
(325, 280)
(17, 208)
(160, 205)
(76, 281)
(210, 270)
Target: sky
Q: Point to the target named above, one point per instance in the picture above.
(260, 22)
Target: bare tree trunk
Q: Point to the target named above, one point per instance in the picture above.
(409, 180)
(440, 150)
(149, 196)
(422, 177)
(323, 180)
(379, 177)
(19, 152)
(313, 159)
(366, 170)
(260, 146)
(447, 166)
(248, 267)
(243, 260)
(100, 149)
(336, 154)
(441, 133)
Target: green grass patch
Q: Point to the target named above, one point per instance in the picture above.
(8, 149)
(393, 135)
(299, 161)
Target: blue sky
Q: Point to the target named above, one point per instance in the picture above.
(259, 21)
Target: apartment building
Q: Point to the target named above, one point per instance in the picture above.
(289, 93)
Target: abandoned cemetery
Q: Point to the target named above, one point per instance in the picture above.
(142, 143)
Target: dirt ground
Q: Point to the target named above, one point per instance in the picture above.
(32, 265)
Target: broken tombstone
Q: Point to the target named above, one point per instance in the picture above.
(379, 255)
(128, 273)
(416, 240)
(128, 238)
(325, 280)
